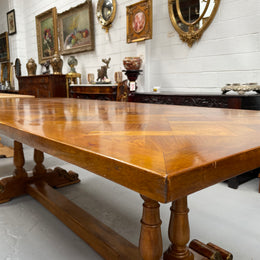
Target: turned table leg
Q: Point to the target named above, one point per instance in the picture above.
(150, 242)
(55, 178)
(179, 232)
(39, 168)
(14, 186)
(19, 160)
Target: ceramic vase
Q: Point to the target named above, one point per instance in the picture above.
(31, 67)
(56, 64)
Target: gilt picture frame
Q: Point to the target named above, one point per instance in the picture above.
(11, 24)
(139, 21)
(4, 47)
(5, 72)
(47, 35)
(76, 29)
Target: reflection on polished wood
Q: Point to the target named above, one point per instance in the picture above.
(162, 152)
(8, 95)
(4, 150)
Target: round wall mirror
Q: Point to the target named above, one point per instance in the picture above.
(190, 18)
(106, 10)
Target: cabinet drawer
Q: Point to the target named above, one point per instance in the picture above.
(43, 80)
(43, 93)
(43, 85)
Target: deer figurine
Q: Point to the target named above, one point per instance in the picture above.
(102, 72)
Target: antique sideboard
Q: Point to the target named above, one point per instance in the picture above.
(94, 91)
(251, 102)
(43, 85)
(108, 92)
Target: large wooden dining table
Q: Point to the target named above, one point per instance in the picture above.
(162, 152)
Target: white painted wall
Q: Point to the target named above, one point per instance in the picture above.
(3, 10)
(228, 52)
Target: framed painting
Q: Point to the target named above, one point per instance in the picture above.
(11, 24)
(5, 72)
(76, 29)
(4, 47)
(47, 36)
(139, 21)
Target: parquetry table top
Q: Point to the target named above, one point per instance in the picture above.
(162, 151)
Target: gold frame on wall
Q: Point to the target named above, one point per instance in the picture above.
(47, 37)
(106, 23)
(5, 69)
(76, 29)
(4, 47)
(193, 34)
(11, 24)
(139, 21)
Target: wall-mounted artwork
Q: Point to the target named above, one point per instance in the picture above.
(5, 72)
(4, 47)
(11, 22)
(76, 31)
(139, 21)
(106, 11)
(191, 18)
(47, 37)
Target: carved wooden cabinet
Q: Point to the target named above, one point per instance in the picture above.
(94, 91)
(43, 85)
(251, 102)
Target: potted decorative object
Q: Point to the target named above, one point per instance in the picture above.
(91, 78)
(31, 67)
(102, 72)
(72, 62)
(132, 63)
(57, 64)
(118, 77)
(132, 68)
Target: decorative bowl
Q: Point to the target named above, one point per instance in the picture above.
(132, 63)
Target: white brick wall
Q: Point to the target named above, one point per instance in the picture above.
(228, 52)
(4, 9)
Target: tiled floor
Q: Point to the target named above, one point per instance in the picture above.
(227, 217)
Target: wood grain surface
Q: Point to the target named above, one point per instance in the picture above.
(6, 95)
(161, 151)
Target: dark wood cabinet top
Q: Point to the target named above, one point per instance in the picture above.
(196, 94)
(51, 85)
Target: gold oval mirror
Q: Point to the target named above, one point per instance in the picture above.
(106, 10)
(190, 18)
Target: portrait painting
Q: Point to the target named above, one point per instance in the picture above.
(47, 38)
(139, 21)
(5, 72)
(76, 29)
(4, 47)
(11, 22)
